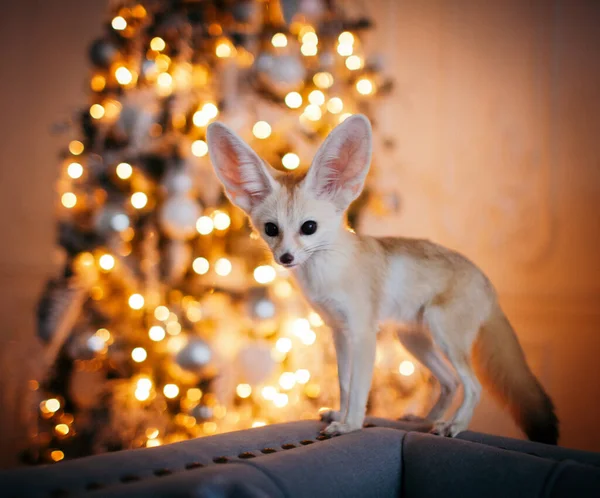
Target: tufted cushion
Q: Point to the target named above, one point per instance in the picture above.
(531, 448)
(435, 466)
(294, 460)
(331, 468)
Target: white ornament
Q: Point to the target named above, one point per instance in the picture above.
(178, 217)
(255, 363)
(280, 73)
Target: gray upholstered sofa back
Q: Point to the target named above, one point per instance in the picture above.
(293, 460)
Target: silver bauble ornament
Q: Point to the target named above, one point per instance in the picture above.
(195, 355)
(255, 363)
(178, 216)
(178, 260)
(280, 74)
(103, 53)
(111, 218)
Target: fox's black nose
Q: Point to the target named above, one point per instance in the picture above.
(286, 258)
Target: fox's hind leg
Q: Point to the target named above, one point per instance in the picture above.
(454, 332)
(422, 348)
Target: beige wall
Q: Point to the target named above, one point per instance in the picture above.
(44, 58)
(496, 118)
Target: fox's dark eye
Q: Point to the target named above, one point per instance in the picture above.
(308, 227)
(271, 229)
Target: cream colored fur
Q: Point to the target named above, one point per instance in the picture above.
(357, 282)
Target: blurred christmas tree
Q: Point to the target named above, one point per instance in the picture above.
(170, 321)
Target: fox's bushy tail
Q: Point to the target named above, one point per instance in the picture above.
(500, 364)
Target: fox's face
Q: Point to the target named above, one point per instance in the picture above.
(296, 215)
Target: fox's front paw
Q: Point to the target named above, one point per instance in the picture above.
(337, 428)
(447, 429)
(330, 416)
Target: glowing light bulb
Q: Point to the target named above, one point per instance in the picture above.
(62, 429)
(323, 79)
(204, 225)
(309, 50)
(199, 148)
(162, 62)
(283, 345)
(313, 112)
(97, 111)
(364, 86)
(171, 391)
(224, 49)
(139, 200)
(139, 355)
(119, 23)
(57, 455)
(69, 200)
(200, 118)
(221, 220)
(280, 400)
(106, 262)
(315, 319)
(75, 147)
(161, 313)
(194, 394)
(123, 75)
(302, 376)
(223, 267)
(290, 161)
(164, 80)
(75, 170)
(174, 328)
(264, 274)
(310, 38)
(141, 394)
(211, 110)
(406, 368)
(103, 334)
(136, 301)
(344, 49)
(269, 392)
(124, 171)
(157, 44)
(144, 384)
(258, 423)
(308, 337)
(316, 97)
(112, 109)
(354, 62)
(261, 129)
(335, 105)
(52, 405)
(194, 313)
(200, 266)
(300, 326)
(287, 380)
(152, 433)
(293, 100)
(97, 83)
(283, 289)
(346, 38)
(156, 333)
(279, 40)
(243, 390)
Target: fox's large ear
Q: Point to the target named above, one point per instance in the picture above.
(340, 167)
(246, 178)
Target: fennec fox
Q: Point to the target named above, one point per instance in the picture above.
(355, 282)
